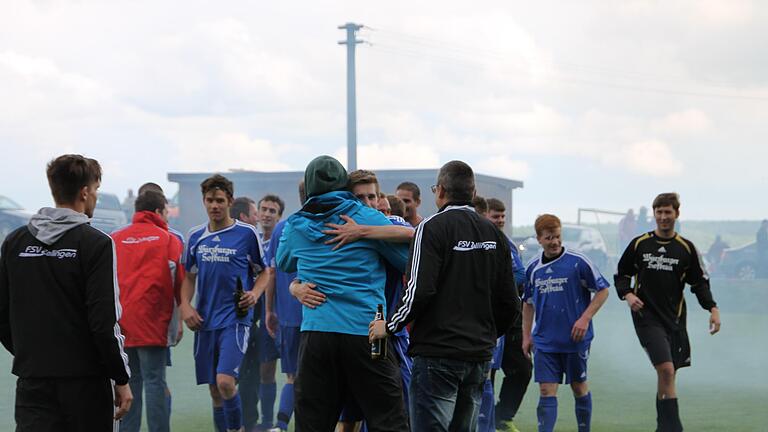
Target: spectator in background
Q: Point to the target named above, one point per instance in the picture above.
(410, 193)
(643, 224)
(762, 246)
(396, 205)
(627, 228)
(127, 204)
(717, 248)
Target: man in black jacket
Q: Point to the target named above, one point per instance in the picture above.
(461, 297)
(59, 310)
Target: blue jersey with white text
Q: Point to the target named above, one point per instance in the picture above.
(560, 291)
(218, 259)
(287, 307)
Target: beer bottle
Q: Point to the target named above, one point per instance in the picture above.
(379, 346)
(239, 293)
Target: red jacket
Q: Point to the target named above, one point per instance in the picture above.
(149, 274)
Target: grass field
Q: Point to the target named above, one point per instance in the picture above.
(725, 390)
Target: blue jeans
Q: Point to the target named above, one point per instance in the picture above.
(445, 394)
(147, 374)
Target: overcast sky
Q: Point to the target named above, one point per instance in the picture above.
(591, 104)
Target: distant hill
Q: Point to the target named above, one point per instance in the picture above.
(701, 233)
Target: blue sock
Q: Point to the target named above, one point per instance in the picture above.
(547, 413)
(233, 412)
(485, 416)
(267, 396)
(584, 412)
(219, 419)
(285, 411)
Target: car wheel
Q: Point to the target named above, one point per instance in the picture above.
(746, 271)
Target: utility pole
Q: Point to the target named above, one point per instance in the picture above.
(351, 42)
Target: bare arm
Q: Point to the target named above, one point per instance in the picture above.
(188, 313)
(582, 324)
(527, 326)
(351, 232)
(270, 315)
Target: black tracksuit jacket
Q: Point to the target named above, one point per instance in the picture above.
(59, 306)
(461, 293)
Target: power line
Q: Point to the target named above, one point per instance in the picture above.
(436, 51)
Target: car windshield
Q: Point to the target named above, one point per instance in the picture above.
(8, 204)
(108, 202)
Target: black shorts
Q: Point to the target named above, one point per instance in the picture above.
(335, 369)
(663, 345)
(64, 405)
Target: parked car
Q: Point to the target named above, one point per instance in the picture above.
(739, 262)
(584, 239)
(12, 216)
(108, 215)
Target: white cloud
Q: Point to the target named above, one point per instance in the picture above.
(652, 158)
(403, 155)
(227, 151)
(690, 121)
(503, 166)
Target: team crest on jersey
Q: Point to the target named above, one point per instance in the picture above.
(39, 251)
(466, 245)
(215, 254)
(137, 240)
(660, 263)
(551, 285)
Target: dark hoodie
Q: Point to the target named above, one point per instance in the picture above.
(59, 299)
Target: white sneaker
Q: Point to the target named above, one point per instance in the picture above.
(275, 429)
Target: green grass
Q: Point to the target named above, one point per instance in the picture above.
(726, 389)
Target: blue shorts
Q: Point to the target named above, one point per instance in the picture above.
(550, 367)
(289, 349)
(268, 349)
(498, 354)
(219, 352)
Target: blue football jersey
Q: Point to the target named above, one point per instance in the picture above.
(393, 289)
(560, 292)
(218, 259)
(287, 307)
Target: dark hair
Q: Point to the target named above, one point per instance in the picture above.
(149, 186)
(69, 173)
(412, 187)
(480, 204)
(274, 199)
(240, 205)
(667, 199)
(495, 204)
(218, 181)
(150, 201)
(396, 205)
(458, 181)
(359, 177)
(302, 193)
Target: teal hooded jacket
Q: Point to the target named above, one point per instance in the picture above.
(351, 277)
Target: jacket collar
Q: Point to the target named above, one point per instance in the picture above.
(457, 204)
